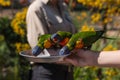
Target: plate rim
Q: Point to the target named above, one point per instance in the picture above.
(28, 56)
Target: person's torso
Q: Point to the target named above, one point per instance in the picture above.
(57, 21)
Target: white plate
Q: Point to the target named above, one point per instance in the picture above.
(54, 57)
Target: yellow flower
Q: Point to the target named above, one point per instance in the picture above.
(78, 17)
(95, 17)
(87, 28)
(96, 3)
(80, 1)
(18, 47)
(84, 14)
(107, 20)
(5, 2)
(8, 3)
(21, 46)
(109, 48)
(26, 46)
(18, 23)
(22, 32)
(84, 28)
(110, 72)
(18, 15)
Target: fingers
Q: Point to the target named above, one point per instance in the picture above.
(73, 59)
(76, 61)
(76, 58)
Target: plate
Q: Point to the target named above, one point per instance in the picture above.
(53, 57)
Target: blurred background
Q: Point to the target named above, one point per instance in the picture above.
(87, 15)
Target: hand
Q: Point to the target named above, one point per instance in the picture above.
(54, 52)
(82, 58)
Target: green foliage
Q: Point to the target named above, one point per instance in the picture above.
(9, 59)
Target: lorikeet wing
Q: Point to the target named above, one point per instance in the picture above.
(91, 39)
(86, 38)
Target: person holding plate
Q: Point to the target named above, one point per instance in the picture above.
(48, 17)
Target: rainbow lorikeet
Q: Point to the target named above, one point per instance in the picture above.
(57, 39)
(81, 40)
(43, 42)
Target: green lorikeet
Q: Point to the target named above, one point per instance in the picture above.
(57, 39)
(81, 40)
(43, 39)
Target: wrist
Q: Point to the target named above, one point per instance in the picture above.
(94, 58)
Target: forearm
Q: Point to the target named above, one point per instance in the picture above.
(109, 59)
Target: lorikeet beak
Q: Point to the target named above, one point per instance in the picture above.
(36, 50)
